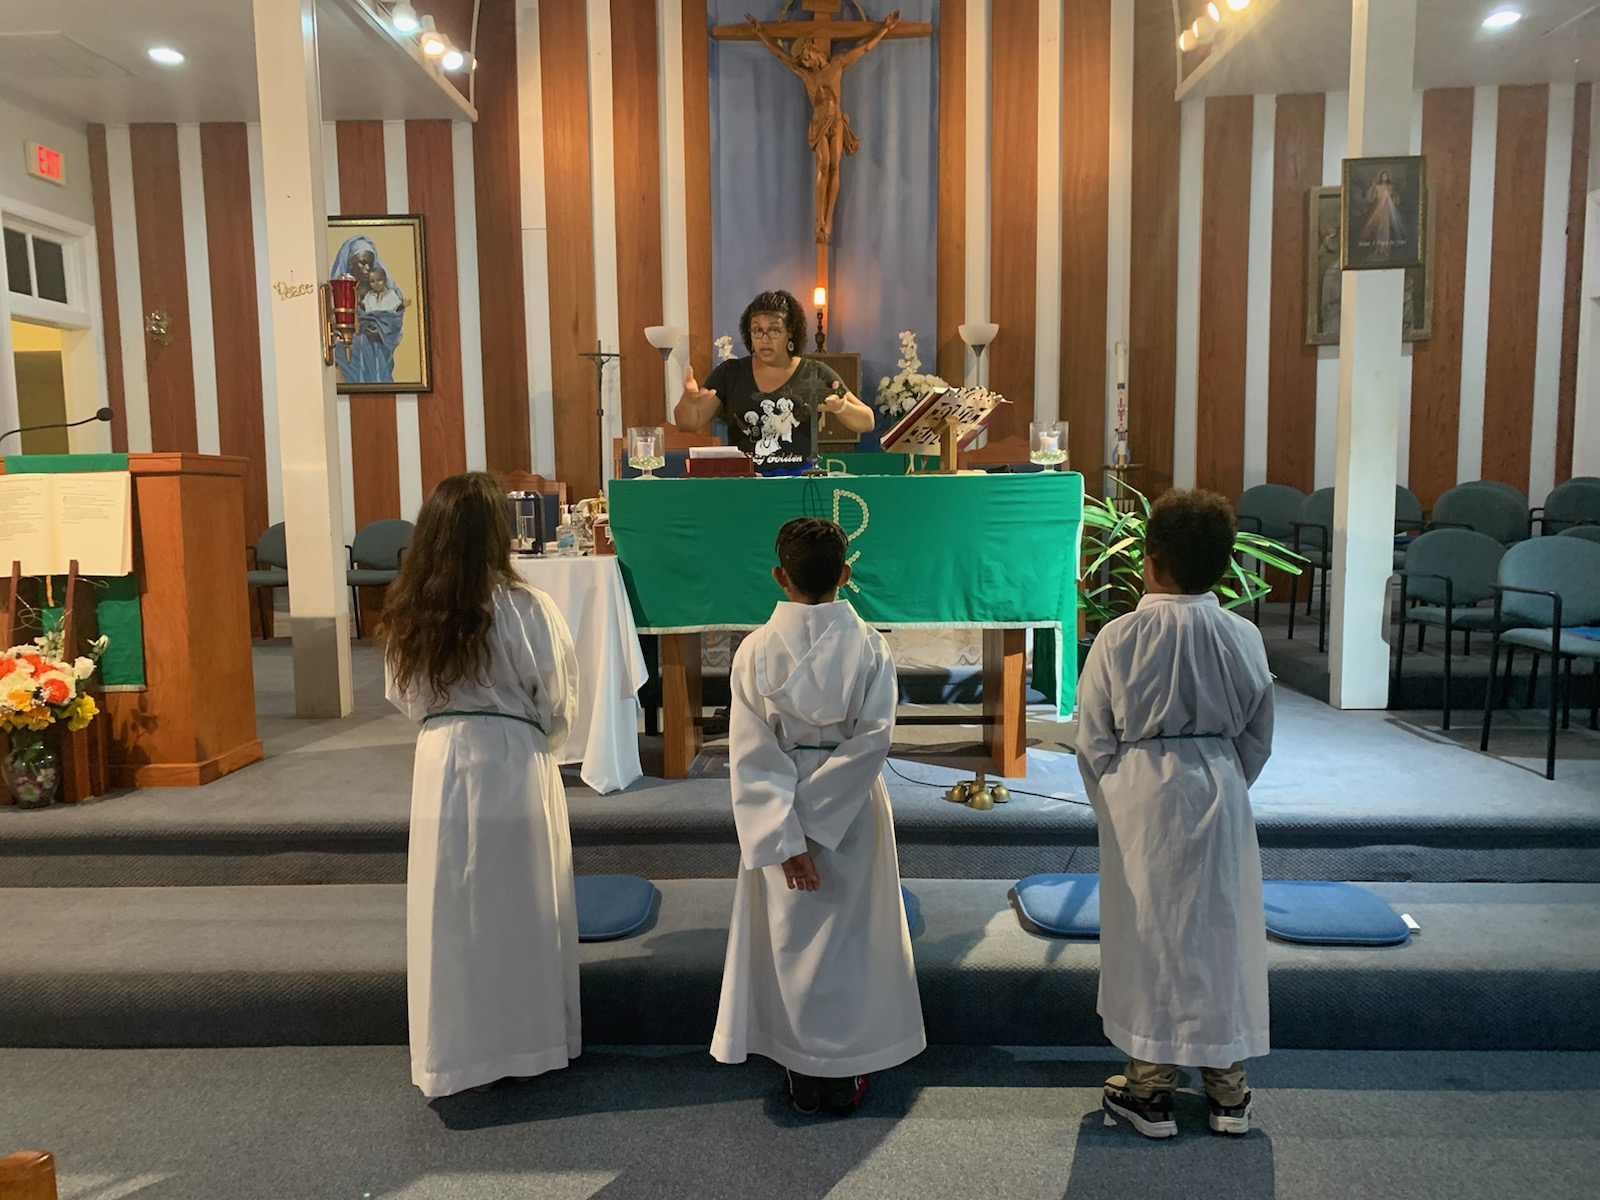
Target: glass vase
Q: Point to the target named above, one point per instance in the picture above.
(30, 769)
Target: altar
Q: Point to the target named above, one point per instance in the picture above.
(991, 552)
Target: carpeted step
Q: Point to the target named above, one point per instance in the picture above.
(1496, 967)
(684, 830)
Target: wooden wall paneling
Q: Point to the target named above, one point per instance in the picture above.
(1577, 212)
(241, 421)
(1224, 293)
(497, 180)
(164, 284)
(374, 444)
(106, 258)
(636, 147)
(1436, 362)
(950, 271)
(1085, 229)
(430, 184)
(374, 440)
(1014, 211)
(697, 176)
(1292, 364)
(1153, 306)
(1514, 283)
(563, 57)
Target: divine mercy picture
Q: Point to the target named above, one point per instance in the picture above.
(1382, 213)
(389, 351)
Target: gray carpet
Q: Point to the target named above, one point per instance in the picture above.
(1496, 967)
(670, 1124)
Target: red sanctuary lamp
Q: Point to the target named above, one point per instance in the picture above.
(338, 314)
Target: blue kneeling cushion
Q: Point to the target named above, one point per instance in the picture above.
(1329, 914)
(1332, 914)
(1065, 905)
(913, 908)
(612, 906)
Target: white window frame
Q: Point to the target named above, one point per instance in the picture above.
(79, 320)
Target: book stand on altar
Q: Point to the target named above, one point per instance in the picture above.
(945, 422)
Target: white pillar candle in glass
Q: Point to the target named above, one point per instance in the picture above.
(646, 449)
(1047, 443)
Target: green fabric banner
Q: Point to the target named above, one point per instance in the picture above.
(936, 551)
(880, 463)
(117, 606)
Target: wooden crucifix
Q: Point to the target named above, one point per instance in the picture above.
(810, 55)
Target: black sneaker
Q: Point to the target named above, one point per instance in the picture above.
(1226, 1118)
(841, 1097)
(805, 1093)
(1151, 1117)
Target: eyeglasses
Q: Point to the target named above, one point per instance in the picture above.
(767, 335)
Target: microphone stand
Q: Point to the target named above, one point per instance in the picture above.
(104, 414)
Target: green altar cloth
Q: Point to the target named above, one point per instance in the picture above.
(880, 463)
(930, 551)
(117, 603)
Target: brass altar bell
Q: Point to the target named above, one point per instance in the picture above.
(978, 793)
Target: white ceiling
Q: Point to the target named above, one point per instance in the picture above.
(1304, 46)
(88, 60)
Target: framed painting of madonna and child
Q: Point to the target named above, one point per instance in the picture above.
(390, 351)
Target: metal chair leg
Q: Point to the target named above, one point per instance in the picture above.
(1555, 696)
(1533, 683)
(1421, 630)
(355, 611)
(1395, 683)
(1511, 660)
(1294, 600)
(1488, 692)
(1447, 639)
(1322, 617)
(1594, 700)
(1566, 696)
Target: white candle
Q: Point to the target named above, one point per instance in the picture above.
(1048, 442)
(642, 448)
(1122, 363)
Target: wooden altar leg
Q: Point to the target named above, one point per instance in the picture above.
(28, 1175)
(1006, 733)
(680, 702)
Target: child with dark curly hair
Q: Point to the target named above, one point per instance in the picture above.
(1174, 725)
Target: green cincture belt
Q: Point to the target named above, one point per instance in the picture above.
(452, 712)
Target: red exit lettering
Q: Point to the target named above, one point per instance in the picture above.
(46, 163)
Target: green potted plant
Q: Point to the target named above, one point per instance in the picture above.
(1111, 579)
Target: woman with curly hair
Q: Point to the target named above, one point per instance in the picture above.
(748, 392)
(487, 666)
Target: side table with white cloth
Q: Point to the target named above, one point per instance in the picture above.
(611, 666)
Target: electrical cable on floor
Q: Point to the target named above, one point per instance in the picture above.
(1009, 788)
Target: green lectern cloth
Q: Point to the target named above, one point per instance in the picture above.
(117, 604)
(936, 551)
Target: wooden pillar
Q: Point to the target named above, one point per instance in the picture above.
(1382, 47)
(1005, 713)
(680, 702)
(28, 1175)
(297, 260)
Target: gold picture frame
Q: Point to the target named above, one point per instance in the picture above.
(1384, 204)
(1324, 280)
(390, 351)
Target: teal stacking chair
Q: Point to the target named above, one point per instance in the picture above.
(1550, 589)
(269, 569)
(374, 556)
(1313, 541)
(1270, 509)
(1450, 573)
(1570, 505)
(1495, 509)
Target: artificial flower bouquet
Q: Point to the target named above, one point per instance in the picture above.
(898, 393)
(38, 687)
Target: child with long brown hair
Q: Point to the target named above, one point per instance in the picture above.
(487, 666)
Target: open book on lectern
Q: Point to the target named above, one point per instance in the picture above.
(919, 431)
(47, 521)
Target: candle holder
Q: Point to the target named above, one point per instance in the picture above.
(646, 450)
(1047, 444)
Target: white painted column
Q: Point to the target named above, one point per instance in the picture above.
(1475, 290)
(1119, 223)
(407, 418)
(1335, 125)
(264, 299)
(1552, 292)
(466, 234)
(124, 234)
(197, 261)
(1586, 414)
(1047, 404)
(1258, 290)
(674, 189)
(603, 208)
(297, 257)
(1382, 46)
(1186, 399)
(977, 264)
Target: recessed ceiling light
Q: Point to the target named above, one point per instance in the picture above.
(166, 55)
(452, 59)
(403, 17)
(1502, 18)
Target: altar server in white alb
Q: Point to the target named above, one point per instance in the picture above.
(1174, 725)
(819, 976)
(486, 664)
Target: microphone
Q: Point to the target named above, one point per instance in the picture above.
(104, 414)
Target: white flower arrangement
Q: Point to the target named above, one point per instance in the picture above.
(897, 394)
(724, 346)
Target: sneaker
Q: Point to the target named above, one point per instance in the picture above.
(842, 1097)
(805, 1093)
(1234, 1119)
(1151, 1117)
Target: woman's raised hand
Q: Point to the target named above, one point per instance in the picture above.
(693, 391)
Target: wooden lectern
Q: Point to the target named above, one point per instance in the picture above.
(195, 719)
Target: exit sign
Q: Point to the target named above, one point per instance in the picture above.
(46, 163)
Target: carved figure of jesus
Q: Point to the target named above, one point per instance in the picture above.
(830, 136)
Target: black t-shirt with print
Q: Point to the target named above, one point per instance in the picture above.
(773, 428)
